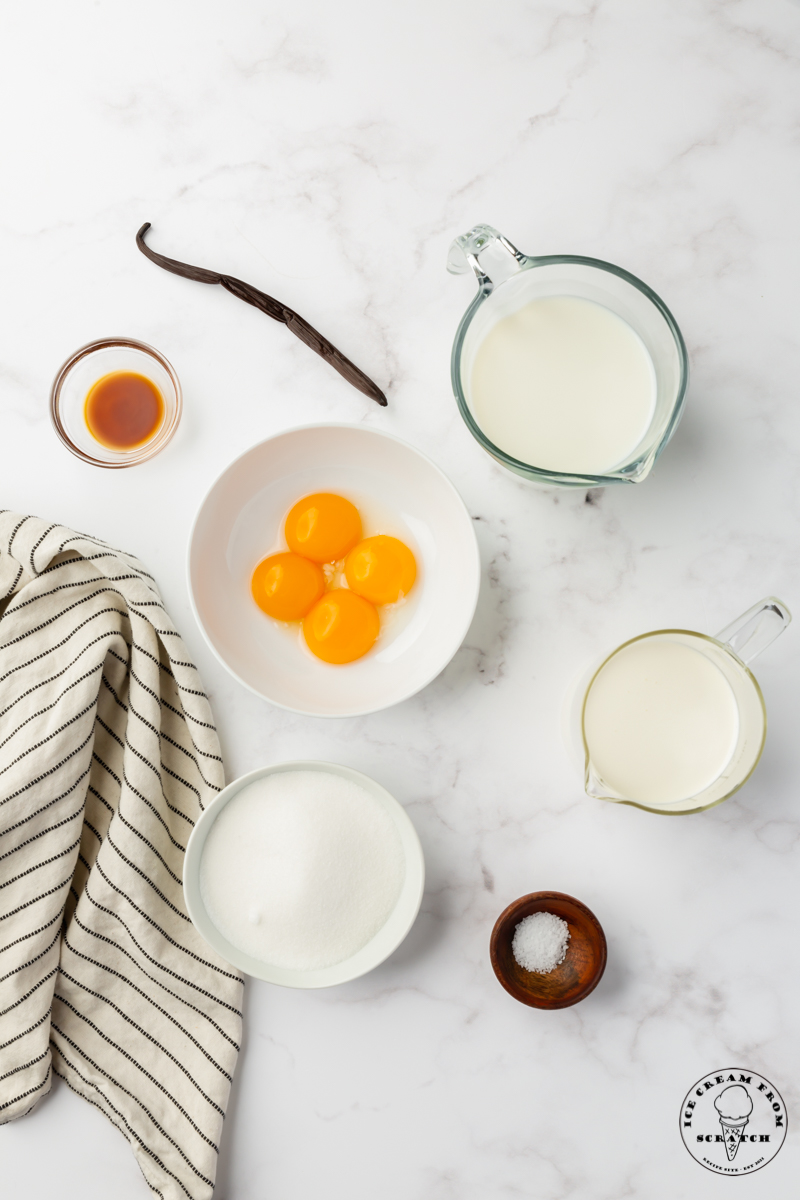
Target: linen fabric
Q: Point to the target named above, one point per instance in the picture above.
(108, 755)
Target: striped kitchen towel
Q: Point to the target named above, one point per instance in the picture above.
(108, 755)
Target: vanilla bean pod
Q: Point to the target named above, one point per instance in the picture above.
(273, 308)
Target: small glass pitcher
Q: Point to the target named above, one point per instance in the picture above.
(516, 280)
(730, 652)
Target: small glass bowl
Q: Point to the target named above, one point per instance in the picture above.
(78, 375)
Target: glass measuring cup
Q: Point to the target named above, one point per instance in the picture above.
(515, 281)
(730, 652)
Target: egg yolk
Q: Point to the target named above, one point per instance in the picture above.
(341, 627)
(381, 569)
(286, 586)
(323, 527)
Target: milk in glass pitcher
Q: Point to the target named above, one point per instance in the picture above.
(569, 371)
(673, 721)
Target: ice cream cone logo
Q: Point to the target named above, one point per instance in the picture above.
(734, 1106)
(733, 1121)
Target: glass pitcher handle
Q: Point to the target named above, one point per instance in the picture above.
(756, 629)
(465, 251)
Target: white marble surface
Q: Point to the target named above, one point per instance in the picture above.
(329, 153)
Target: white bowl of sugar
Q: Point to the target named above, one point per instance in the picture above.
(304, 874)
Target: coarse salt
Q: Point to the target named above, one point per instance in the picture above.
(540, 942)
(301, 869)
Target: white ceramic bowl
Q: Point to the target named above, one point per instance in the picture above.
(368, 957)
(240, 522)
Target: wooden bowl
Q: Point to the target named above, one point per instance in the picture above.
(579, 973)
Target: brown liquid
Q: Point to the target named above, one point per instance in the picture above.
(123, 410)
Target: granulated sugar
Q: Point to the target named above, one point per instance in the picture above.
(540, 942)
(301, 869)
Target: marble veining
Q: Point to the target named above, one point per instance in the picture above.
(328, 154)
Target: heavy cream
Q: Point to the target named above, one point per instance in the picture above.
(563, 384)
(660, 721)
